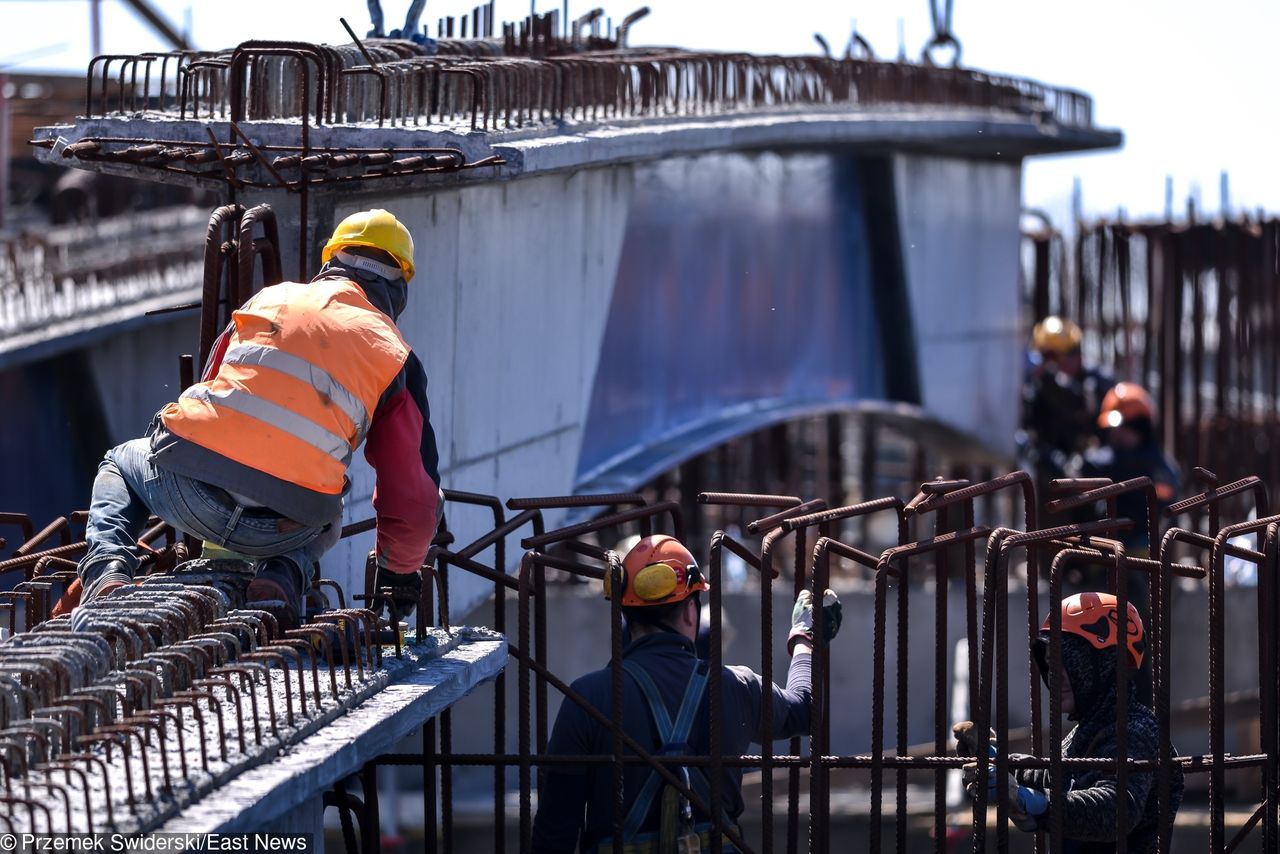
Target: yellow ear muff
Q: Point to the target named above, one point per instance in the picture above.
(656, 581)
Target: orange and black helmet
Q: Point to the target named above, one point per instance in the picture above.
(1093, 616)
(658, 570)
(1125, 402)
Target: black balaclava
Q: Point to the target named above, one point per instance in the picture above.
(389, 296)
(1091, 671)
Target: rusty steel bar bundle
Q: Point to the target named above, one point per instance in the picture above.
(242, 164)
(148, 669)
(144, 671)
(492, 86)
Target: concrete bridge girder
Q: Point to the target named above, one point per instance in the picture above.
(507, 313)
(582, 330)
(888, 237)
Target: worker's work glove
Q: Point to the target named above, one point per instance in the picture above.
(405, 588)
(968, 742)
(1024, 803)
(802, 618)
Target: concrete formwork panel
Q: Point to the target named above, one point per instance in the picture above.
(960, 244)
(507, 313)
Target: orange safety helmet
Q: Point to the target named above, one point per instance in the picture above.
(1092, 616)
(656, 571)
(1125, 402)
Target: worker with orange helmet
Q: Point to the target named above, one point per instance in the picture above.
(1131, 448)
(1061, 398)
(1087, 687)
(666, 710)
(253, 458)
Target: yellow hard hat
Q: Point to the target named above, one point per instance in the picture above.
(1056, 335)
(377, 229)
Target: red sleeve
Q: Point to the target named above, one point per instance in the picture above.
(215, 355)
(406, 496)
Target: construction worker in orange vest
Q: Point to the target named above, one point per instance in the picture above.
(253, 458)
(665, 709)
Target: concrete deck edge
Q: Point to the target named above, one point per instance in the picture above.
(264, 793)
(566, 146)
(976, 134)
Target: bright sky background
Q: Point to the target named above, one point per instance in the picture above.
(1191, 83)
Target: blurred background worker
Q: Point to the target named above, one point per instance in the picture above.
(253, 459)
(1130, 449)
(1061, 399)
(666, 711)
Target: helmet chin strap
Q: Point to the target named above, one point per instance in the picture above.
(369, 265)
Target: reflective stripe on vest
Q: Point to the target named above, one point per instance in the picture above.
(277, 416)
(295, 366)
(295, 392)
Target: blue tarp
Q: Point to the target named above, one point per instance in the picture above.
(743, 297)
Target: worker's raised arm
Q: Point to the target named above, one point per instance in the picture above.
(791, 705)
(401, 447)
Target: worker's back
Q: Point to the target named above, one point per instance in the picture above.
(296, 383)
(668, 658)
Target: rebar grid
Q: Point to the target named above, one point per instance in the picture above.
(519, 80)
(987, 588)
(530, 78)
(171, 686)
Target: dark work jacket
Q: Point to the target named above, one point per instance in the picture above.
(575, 803)
(1090, 819)
(1061, 412)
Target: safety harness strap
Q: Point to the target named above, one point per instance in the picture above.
(673, 736)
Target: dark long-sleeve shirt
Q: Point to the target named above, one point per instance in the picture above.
(575, 803)
(1090, 816)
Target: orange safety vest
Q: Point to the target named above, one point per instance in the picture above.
(296, 389)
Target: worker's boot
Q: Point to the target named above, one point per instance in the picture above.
(277, 589)
(103, 577)
(230, 576)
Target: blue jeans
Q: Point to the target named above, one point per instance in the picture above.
(129, 488)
